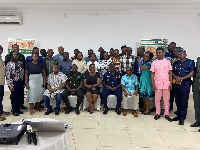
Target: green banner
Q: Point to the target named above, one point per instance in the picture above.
(25, 45)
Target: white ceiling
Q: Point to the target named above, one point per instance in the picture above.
(103, 6)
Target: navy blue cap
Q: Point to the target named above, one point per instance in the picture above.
(182, 50)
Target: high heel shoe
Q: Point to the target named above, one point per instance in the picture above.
(148, 113)
(91, 112)
(143, 111)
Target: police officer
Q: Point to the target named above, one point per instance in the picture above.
(112, 82)
(196, 94)
(183, 70)
(74, 87)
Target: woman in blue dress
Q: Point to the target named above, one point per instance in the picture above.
(145, 82)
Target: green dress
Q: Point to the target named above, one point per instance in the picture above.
(145, 83)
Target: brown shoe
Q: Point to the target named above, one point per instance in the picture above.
(137, 111)
(125, 112)
(5, 113)
(134, 113)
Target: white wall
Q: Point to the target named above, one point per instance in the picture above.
(113, 30)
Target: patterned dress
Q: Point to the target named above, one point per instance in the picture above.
(116, 61)
(145, 83)
(104, 66)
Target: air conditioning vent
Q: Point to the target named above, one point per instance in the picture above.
(11, 19)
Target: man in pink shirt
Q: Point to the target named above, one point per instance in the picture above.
(161, 78)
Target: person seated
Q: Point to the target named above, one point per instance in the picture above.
(50, 62)
(93, 61)
(40, 58)
(87, 59)
(116, 59)
(92, 82)
(130, 85)
(55, 84)
(74, 86)
(65, 64)
(80, 62)
(112, 82)
(76, 51)
(59, 56)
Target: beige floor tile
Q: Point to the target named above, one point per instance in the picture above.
(85, 122)
(70, 138)
(85, 137)
(146, 139)
(70, 147)
(181, 140)
(114, 148)
(86, 147)
(113, 138)
(154, 148)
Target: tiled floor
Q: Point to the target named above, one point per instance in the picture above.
(113, 132)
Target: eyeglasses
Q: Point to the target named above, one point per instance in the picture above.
(128, 70)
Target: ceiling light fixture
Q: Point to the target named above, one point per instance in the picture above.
(7, 18)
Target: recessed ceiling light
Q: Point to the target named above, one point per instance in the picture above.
(7, 18)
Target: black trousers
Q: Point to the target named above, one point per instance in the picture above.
(65, 95)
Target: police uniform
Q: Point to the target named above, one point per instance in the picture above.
(74, 82)
(112, 81)
(196, 91)
(182, 90)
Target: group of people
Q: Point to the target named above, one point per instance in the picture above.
(49, 77)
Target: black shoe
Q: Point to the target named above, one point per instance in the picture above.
(118, 111)
(196, 124)
(68, 110)
(153, 109)
(175, 112)
(148, 113)
(105, 111)
(157, 117)
(162, 111)
(56, 113)
(77, 111)
(48, 112)
(199, 130)
(176, 119)
(23, 107)
(168, 118)
(21, 112)
(181, 122)
(41, 106)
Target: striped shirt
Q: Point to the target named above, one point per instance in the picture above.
(126, 62)
(116, 61)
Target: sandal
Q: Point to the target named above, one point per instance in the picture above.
(2, 118)
(38, 110)
(31, 113)
(16, 114)
(5, 113)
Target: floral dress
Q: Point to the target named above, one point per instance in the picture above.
(145, 83)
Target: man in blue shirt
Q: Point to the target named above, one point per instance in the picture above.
(65, 64)
(130, 86)
(40, 58)
(169, 54)
(87, 59)
(59, 56)
(112, 83)
(183, 70)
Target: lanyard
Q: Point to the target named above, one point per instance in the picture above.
(139, 71)
(188, 67)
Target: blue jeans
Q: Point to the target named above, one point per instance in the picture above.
(17, 96)
(1, 97)
(58, 102)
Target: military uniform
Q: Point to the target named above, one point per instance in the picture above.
(182, 90)
(74, 82)
(112, 81)
(196, 91)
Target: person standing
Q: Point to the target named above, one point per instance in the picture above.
(80, 62)
(50, 62)
(116, 59)
(127, 60)
(145, 87)
(130, 86)
(43, 53)
(161, 78)
(112, 84)
(91, 82)
(2, 83)
(35, 81)
(92, 61)
(111, 53)
(15, 82)
(124, 51)
(196, 94)
(101, 51)
(65, 64)
(169, 54)
(183, 70)
(55, 84)
(76, 51)
(74, 86)
(59, 56)
(104, 64)
(90, 52)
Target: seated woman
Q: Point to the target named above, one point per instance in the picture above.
(15, 81)
(55, 84)
(92, 82)
(35, 81)
(92, 61)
